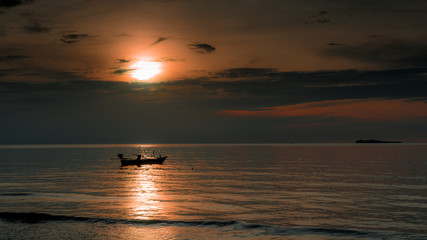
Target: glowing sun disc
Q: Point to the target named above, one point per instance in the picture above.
(144, 70)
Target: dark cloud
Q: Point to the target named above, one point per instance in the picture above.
(267, 87)
(280, 88)
(270, 88)
(68, 41)
(320, 21)
(122, 71)
(13, 3)
(258, 87)
(159, 40)
(122, 60)
(31, 73)
(245, 73)
(323, 20)
(74, 37)
(12, 58)
(35, 27)
(389, 52)
(202, 47)
(317, 18)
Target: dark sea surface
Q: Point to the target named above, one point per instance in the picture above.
(289, 191)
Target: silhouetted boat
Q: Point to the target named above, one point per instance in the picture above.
(140, 161)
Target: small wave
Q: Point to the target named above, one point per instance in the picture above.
(337, 231)
(37, 217)
(44, 217)
(16, 194)
(260, 229)
(328, 232)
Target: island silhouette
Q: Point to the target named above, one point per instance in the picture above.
(376, 141)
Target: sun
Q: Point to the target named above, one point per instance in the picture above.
(144, 70)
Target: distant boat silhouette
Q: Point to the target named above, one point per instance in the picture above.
(140, 161)
(375, 141)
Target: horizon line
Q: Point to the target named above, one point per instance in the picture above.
(101, 145)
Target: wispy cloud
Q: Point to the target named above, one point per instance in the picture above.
(202, 48)
(122, 71)
(122, 60)
(364, 109)
(389, 52)
(169, 60)
(35, 27)
(74, 37)
(159, 40)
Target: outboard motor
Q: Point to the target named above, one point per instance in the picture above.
(120, 155)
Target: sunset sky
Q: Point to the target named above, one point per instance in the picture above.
(243, 71)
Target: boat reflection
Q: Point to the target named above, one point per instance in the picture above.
(144, 193)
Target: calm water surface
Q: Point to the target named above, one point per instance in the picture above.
(373, 191)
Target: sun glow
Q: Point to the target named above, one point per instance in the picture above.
(144, 70)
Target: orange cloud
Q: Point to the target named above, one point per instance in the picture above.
(366, 109)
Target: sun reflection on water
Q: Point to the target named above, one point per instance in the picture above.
(144, 193)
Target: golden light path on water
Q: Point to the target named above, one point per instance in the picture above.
(145, 200)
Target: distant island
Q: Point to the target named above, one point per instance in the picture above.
(376, 141)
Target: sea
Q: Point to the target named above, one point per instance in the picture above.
(214, 191)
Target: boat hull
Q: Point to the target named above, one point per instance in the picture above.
(139, 162)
